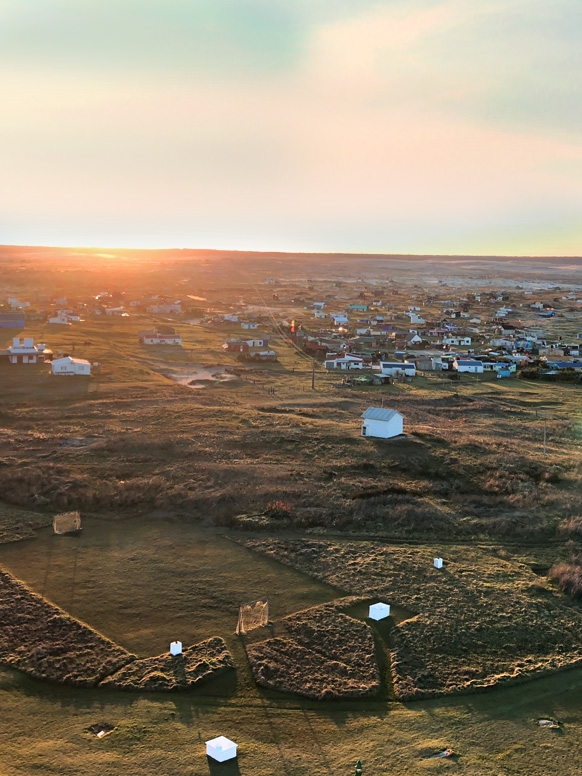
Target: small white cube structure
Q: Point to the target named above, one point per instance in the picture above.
(176, 648)
(379, 611)
(221, 749)
(438, 563)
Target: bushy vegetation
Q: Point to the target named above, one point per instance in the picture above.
(568, 575)
(39, 639)
(321, 654)
(480, 621)
(164, 673)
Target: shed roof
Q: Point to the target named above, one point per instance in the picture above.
(378, 413)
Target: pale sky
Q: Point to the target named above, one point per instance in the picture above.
(390, 126)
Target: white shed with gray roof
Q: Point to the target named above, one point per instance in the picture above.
(382, 423)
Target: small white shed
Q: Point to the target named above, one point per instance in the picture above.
(382, 423)
(379, 611)
(71, 366)
(175, 648)
(438, 563)
(221, 749)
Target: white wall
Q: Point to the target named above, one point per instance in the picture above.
(384, 429)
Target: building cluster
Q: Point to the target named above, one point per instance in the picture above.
(400, 329)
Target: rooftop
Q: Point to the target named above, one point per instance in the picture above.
(378, 413)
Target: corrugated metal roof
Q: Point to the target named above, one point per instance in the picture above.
(378, 413)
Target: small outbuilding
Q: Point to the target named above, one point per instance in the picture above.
(382, 423)
(221, 749)
(175, 648)
(379, 611)
(438, 563)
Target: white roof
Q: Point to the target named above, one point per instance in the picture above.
(221, 743)
(377, 413)
(70, 360)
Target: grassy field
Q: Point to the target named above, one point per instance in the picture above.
(172, 480)
(124, 576)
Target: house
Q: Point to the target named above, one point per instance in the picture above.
(339, 319)
(361, 308)
(249, 325)
(166, 309)
(16, 304)
(154, 337)
(348, 361)
(381, 423)
(70, 366)
(318, 305)
(457, 341)
(60, 318)
(428, 364)
(234, 344)
(26, 352)
(14, 320)
(397, 368)
(468, 365)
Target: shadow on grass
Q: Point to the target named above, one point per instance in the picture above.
(228, 768)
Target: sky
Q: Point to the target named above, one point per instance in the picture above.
(384, 126)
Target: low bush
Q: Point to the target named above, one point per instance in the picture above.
(568, 575)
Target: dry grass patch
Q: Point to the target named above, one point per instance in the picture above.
(17, 524)
(481, 621)
(321, 653)
(39, 639)
(166, 673)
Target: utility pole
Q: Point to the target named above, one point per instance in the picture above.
(313, 374)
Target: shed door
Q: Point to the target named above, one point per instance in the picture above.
(364, 430)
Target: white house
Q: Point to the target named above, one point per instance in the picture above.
(414, 318)
(397, 368)
(457, 341)
(70, 366)
(26, 352)
(151, 337)
(468, 365)
(61, 318)
(339, 319)
(249, 325)
(382, 423)
(344, 362)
